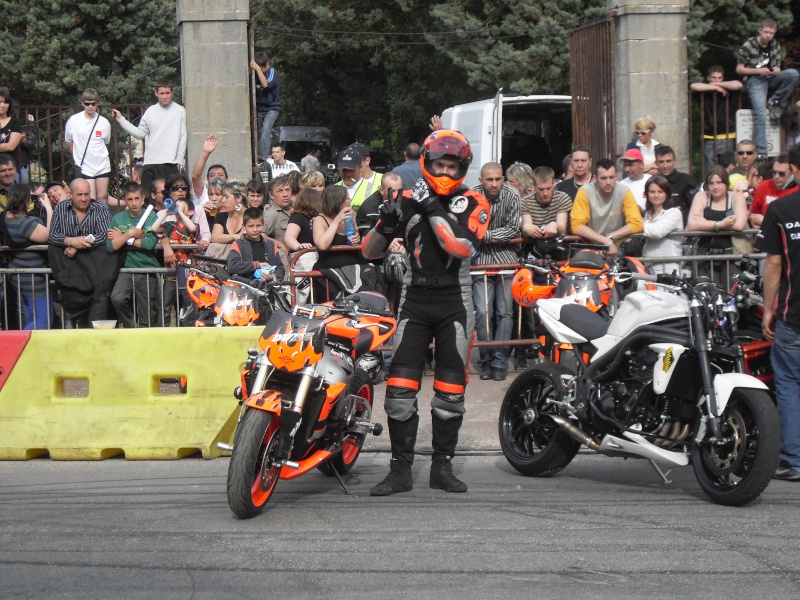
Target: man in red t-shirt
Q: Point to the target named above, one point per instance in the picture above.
(781, 184)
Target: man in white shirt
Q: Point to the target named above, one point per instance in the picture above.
(633, 165)
(163, 127)
(280, 166)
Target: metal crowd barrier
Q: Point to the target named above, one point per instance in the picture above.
(170, 314)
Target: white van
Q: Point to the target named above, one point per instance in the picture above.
(536, 130)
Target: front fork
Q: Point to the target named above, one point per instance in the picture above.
(701, 347)
(291, 417)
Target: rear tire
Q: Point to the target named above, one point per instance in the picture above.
(531, 441)
(738, 471)
(360, 385)
(251, 474)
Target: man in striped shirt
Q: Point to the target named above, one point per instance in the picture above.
(280, 166)
(491, 292)
(82, 268)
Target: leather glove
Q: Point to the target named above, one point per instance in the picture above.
(423, 197)
(390, 217)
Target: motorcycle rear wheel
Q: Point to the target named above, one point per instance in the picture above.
(251, 474)
(738, 471)
(360, 385)
(531, 441)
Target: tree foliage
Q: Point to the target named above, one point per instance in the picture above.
(53, 49)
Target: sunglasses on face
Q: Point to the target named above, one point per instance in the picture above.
(780, 173)
(89, 103)
(179, 188)
(642, 132)
(745, 152)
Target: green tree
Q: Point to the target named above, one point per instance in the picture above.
(53, 50)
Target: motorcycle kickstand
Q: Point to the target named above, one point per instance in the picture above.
(339, 479)
(661, 473)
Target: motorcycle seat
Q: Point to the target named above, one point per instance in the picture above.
(371, 301)
(587, 260)
(582, 320)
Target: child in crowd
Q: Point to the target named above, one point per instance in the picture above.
(134, 295)
(176, 225)
(254, 252)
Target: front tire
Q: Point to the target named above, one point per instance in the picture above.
(531, 441)
(737, 471)
(251, 474)
(360, 385)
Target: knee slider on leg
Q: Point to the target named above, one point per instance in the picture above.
(447, 406)
(401, 403)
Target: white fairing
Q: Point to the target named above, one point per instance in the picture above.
(645, 308)
(549, 312)
(668, 355)
(725, 383)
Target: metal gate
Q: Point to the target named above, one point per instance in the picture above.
(592, 83)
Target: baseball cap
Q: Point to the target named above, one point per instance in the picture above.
(360, 149)
(348, 159)
(633, 154)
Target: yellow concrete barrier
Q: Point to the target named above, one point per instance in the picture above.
(90, 395)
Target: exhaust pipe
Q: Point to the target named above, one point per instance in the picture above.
(576, 433)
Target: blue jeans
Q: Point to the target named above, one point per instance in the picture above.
(758, 88)
(786, 364)
(265, 122)
(36, 312)
(496, 294)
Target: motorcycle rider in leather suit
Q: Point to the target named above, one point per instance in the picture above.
(442, 224)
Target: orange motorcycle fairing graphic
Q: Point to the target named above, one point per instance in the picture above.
(268, 400)
(236, 306)
(293, 343)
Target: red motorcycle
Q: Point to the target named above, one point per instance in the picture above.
(307, 396)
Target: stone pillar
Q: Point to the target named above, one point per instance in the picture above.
(216, 90)
(651, 71)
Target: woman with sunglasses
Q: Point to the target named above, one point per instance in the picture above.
(10, 129)
(87, 135)
(643, 130)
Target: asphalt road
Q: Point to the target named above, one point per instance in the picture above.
(604, 528)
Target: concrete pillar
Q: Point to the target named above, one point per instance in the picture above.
(216, 92)
(651, 71)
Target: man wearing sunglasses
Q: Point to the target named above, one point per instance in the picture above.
(746, 156)
(782, 184)
(163, 127)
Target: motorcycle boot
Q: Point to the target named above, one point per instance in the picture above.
(403, 437)
(445, 438)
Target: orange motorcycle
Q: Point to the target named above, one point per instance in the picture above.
(307, 396)
(222, 299)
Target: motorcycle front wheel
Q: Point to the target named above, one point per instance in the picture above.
(361, 386)
(531, 441)
(251, 473)
(738, 470)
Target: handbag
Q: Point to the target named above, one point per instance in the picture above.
(742, 244)
(217, 250)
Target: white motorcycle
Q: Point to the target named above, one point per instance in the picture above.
(658, 384)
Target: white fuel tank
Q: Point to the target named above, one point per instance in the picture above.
(646, 308)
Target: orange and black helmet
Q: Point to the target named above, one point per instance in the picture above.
(525, 291)
(445, 142)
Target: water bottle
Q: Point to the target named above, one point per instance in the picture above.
(349, 228)
(171, 206)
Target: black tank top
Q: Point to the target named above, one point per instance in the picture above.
(720, 241)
